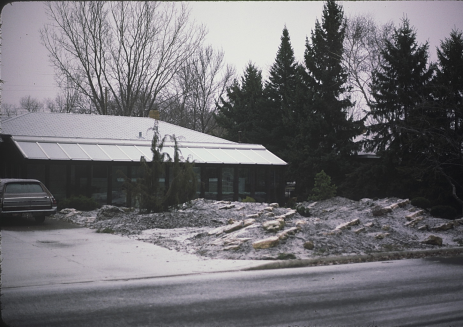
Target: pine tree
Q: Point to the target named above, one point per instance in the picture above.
(443, 140)
(325, 129)
(450, 77)
(281, 93)
(323, 189)
(399, 88)
(243, 114)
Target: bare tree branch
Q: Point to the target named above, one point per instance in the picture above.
(362, 55)
(200, 83)
(124, 53)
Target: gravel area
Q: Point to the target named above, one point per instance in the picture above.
(233, 230)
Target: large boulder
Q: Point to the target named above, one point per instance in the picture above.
(233, 227)
(285, 234)
(413, 215)
(379, 211)
(443, 227)
(226, 207)
(266, 243)
(108, 212)
(309, 245)
(290, 214)
(380, 236)
(233, 243)
(413, 222)
(348, 224)
(274, 225)
(238, 225)
(433, 240)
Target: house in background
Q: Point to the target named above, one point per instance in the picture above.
(90, 155)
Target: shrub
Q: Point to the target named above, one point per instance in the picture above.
(248, 199)
(421, 202)
(303, 211)
(79, 202)
(323, 189)
(442, 211)
(148, 191)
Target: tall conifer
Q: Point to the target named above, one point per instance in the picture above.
(243, 114)
(326, 131)
(399, 88)
(450, 77)
(281, 91)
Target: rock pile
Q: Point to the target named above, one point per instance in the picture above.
(236, 230)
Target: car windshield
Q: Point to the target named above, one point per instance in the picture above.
(23, 188)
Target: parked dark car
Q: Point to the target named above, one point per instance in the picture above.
(25, 198)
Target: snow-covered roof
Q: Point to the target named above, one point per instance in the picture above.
(54, 136)
(78, 126)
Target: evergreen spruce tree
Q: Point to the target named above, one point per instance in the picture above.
(323, 189)
(325, 129)
(400, 89)
(450, 77)
(442, 154)
(243, 114)
(281, 93)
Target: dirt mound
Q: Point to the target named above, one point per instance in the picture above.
(237, 230)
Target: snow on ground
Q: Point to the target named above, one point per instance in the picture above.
(234, 230)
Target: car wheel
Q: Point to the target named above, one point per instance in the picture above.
(39, 219)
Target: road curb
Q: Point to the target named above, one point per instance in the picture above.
(335, 260)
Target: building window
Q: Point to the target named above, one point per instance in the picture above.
(244, 183)
(79, 180)
(227, 183)
(197, 171)
(261, 185)
(211, 183)
(99, 183)
(119, 194)
(36, 171)
(57, 181)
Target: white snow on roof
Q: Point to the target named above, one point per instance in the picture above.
(77, 126)
(45, 136)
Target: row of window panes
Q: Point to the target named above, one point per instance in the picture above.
(99, 181)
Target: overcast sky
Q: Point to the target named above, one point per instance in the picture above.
(244, 30)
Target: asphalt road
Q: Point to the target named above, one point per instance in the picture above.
(417, 292)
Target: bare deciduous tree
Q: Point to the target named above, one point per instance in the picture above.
(69, 100)
(30, 104)
(362, 55)
(128, 52)
(200, 83)
(9, 110)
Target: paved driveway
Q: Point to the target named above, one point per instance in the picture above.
(61, 253)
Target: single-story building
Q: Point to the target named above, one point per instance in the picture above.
(89, 155)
